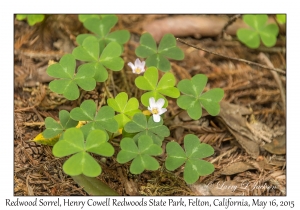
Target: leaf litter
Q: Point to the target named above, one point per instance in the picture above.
(249, 146)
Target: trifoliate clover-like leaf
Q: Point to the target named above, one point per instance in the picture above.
(126, 108)
(54, 128)
(68, 82)
(81, 162)
(259, 30)
(109, 57)
(193, 100)
(141, 126)
(101, 25)
(103, 120)
(157, 90)
(141, 154)
(191, 156)
(158, 57)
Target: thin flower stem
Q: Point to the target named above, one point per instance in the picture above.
(106, 87)
(124, 78)
(113, 83)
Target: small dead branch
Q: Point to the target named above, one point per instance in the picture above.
(231, 58)
(230, 21)
(34, 124)
(39, 54)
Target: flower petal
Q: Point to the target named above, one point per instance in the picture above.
(160, 103)
(156, 118)
(137, 62)
(162, 110)
(152, 102)
(131, 65)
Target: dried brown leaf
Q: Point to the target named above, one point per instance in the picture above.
(237, 167)
(277, 146)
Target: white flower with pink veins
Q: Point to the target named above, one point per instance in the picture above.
(156, 108)
(138, 67)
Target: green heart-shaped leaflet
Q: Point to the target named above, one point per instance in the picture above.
(147, 46)
(193, 100)
(126, 108)
(176, 156)
(141, 154)
(119, 36)
(54, 128)
(269, 34)
(110, 57)
(85, 78)
(72, 142)
(168, 48)
(81, 162)
(97, 143)
(86, 111)
(83, 17)
(248, 37)
(88, 51)
(210, 100)
(155, 130)
(165, 86)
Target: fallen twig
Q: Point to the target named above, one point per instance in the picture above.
(231, 58)
(230, 21)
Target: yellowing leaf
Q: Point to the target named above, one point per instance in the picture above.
(80, 124)
(40, 139)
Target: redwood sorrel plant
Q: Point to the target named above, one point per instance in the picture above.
(142, 133)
